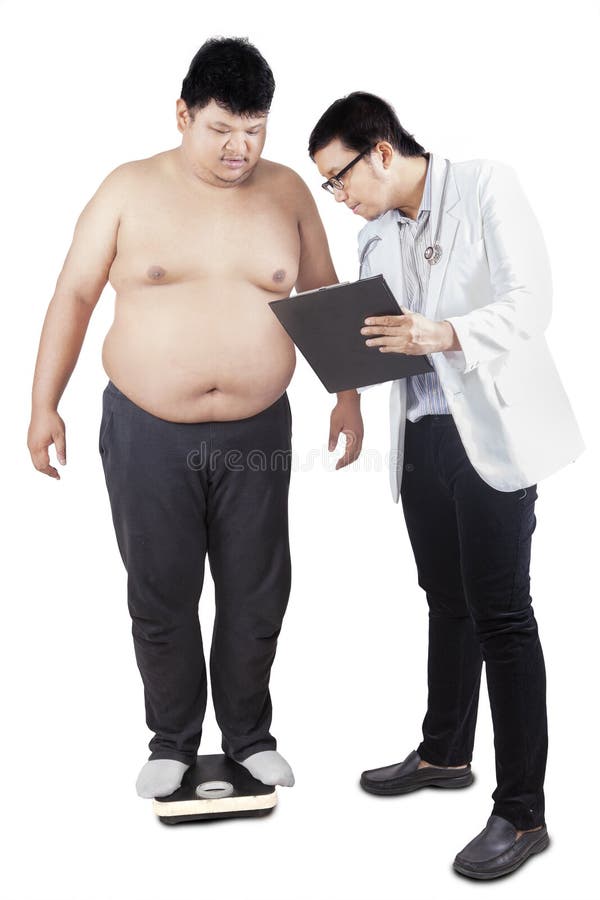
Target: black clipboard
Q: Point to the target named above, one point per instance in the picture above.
(325, 326)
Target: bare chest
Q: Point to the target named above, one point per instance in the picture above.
(165, 240)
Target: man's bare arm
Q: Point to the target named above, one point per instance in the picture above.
(80, 283)
(316, 267)
(316, 270)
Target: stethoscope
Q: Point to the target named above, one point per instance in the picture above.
(433, 253)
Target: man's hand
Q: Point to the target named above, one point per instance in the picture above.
(346, 418)
(412, 333)
(46, 427)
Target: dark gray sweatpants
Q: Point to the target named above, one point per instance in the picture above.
(180, 491)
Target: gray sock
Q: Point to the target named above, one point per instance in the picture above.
(269, 767)
(160, 777)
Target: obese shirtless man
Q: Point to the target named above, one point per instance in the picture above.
(196, 425)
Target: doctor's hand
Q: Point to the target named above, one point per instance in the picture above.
(346, 419)
(411, 333)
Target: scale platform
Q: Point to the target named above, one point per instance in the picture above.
(215, 788)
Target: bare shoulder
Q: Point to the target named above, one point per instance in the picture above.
(287, 184)
(126, 183)
(316, 267)
(128, 174)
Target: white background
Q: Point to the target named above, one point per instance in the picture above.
(86, 86)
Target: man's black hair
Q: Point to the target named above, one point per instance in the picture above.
(359, 121)
(231, 72)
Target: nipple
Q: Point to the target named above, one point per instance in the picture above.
(156, 273)
(279, 275)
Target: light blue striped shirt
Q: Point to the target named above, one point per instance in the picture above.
(425, 396)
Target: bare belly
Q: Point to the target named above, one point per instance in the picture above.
(198, 352)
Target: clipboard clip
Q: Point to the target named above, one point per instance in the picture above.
(326, 288)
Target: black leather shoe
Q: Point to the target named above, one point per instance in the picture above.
(497, 851)
(406, 776)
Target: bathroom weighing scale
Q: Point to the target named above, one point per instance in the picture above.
(215, 788)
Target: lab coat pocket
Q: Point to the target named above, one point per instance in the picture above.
(505, 389)
(468, 255)
(514, 384)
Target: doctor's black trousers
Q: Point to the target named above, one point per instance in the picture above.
(472, 547)
(180, 492)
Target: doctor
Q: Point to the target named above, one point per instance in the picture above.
(463, 253)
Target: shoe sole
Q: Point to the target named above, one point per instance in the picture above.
(459, 781)
(505, 870)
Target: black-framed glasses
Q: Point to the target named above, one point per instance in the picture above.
(335, 183)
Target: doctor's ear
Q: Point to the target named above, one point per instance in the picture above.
(384, 152)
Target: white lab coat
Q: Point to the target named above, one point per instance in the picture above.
(493, 283)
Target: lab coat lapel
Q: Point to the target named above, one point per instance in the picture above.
(384, 252)
(450, 222)
(385, 255)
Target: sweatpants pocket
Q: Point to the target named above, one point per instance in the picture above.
(108, 408)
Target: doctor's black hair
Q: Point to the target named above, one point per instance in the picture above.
(359, 121)
(231, 72)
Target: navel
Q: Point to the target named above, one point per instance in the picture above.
(279, 276)
(156, 273)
